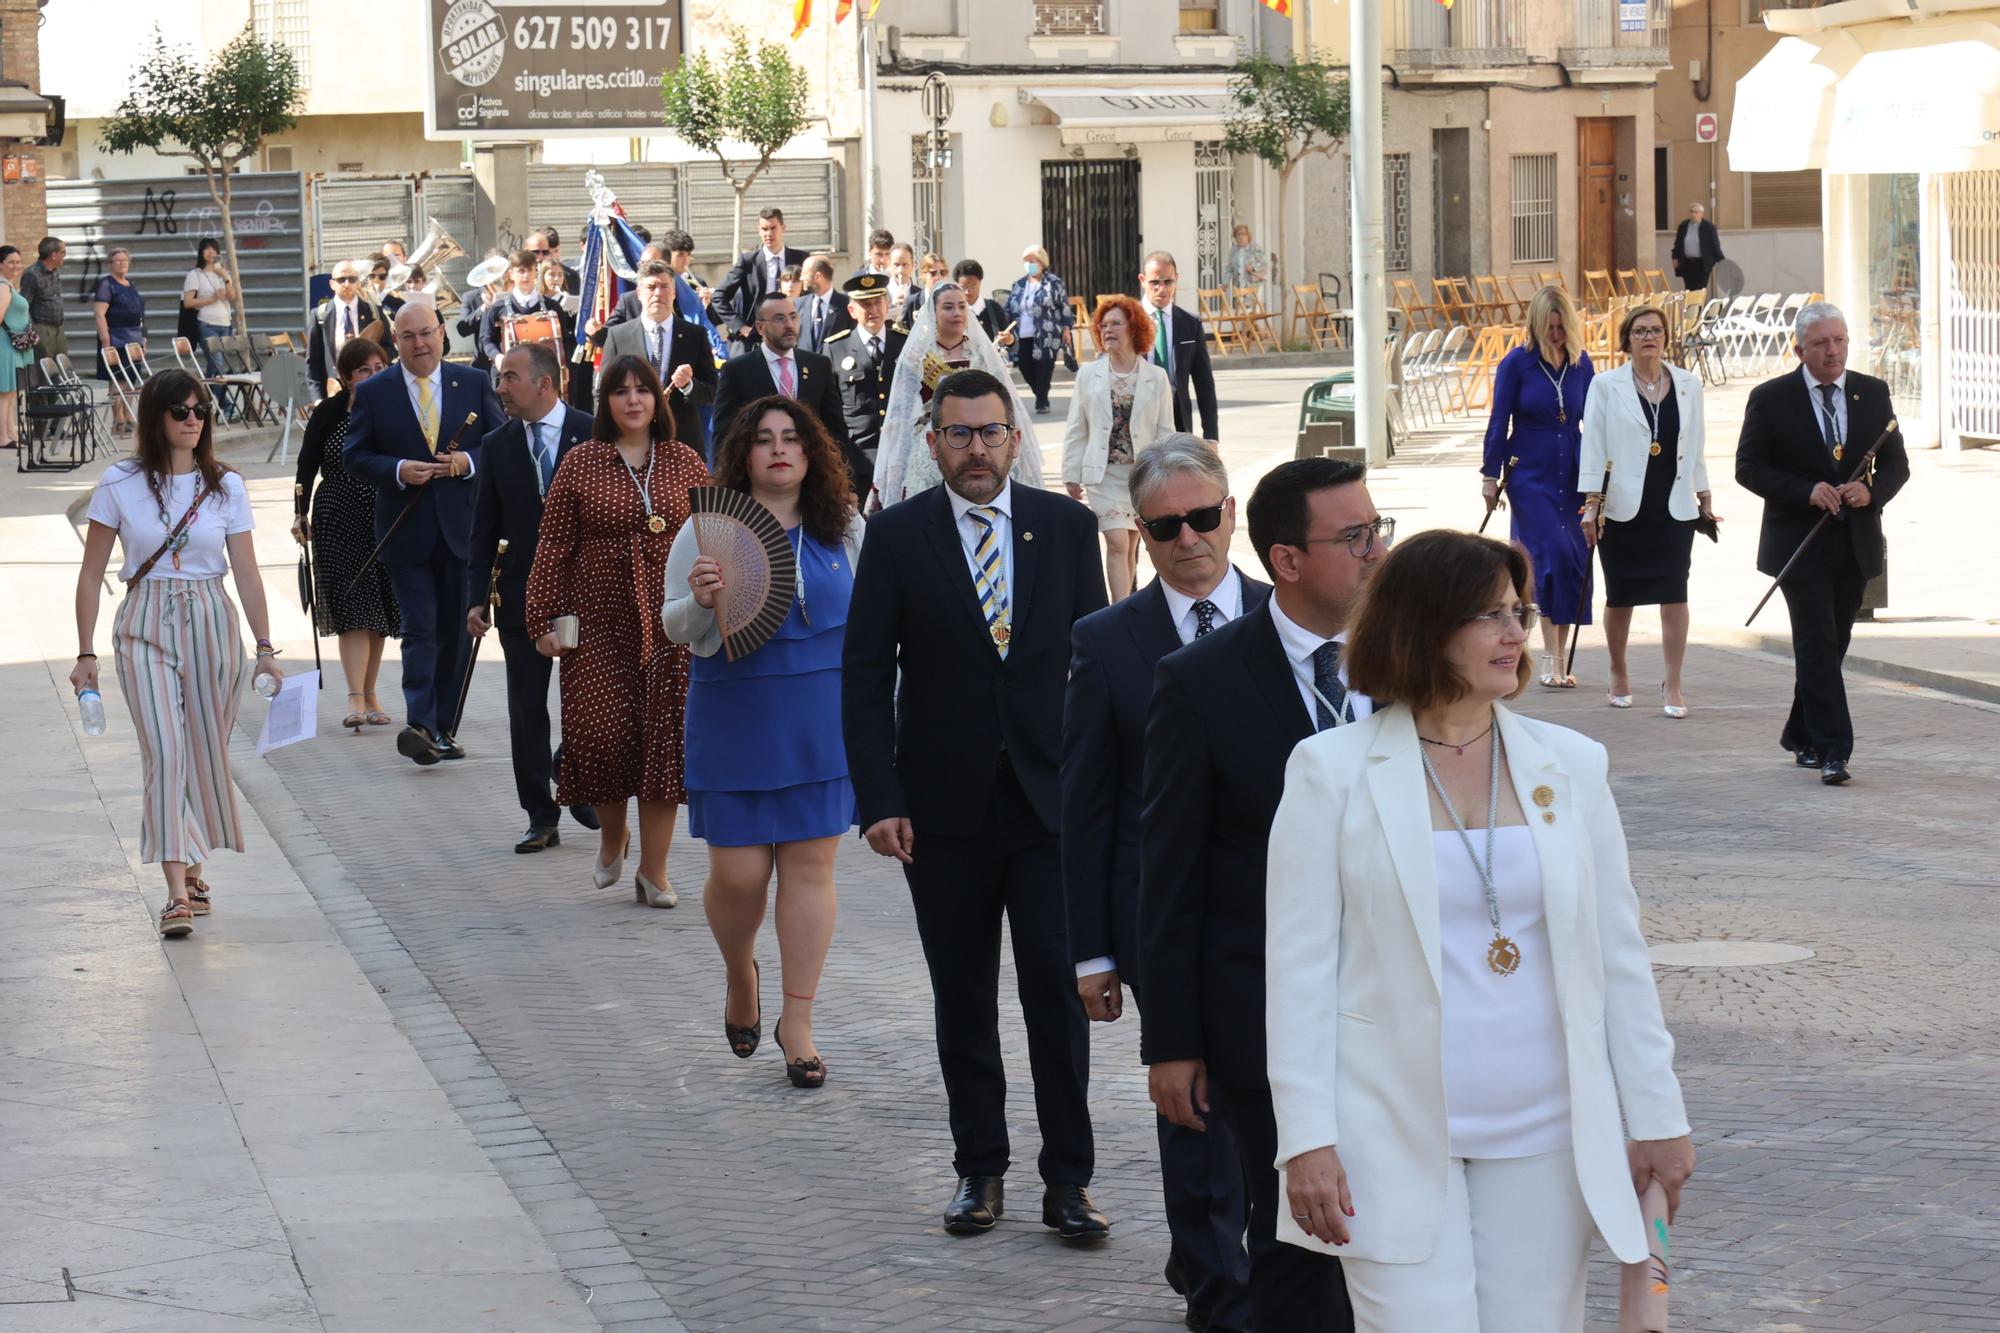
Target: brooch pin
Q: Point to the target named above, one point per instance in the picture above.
(1544, 796)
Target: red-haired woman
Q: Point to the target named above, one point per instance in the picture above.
(766, 766)
(1121, 404)
(183, 520)
(608, 522)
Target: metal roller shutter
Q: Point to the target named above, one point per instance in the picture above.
(355, 215)
(449, 200)
(649, 192)
(807, 191)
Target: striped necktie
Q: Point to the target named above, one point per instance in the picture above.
(989, 578)
(427, 413)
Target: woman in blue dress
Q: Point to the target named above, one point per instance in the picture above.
(121, 321)
(766, 765)
(13, 324)
(1534, 436)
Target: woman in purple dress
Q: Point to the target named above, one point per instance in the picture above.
(1534, 436)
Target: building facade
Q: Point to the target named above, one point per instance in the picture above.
(24, 116)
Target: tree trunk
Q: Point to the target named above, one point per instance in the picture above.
(223, 195)
(736, 242)
(1284, 229)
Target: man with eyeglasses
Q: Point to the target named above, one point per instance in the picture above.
(1226, 712)
(1180, 491)
(347, 314)
(546, 244)
(779, 365)
(956, 655)
(1180, 345)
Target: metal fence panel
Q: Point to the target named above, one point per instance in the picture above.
(808, 192)
(354, 215)
(648, 191)
(160, 219)
(449, 201)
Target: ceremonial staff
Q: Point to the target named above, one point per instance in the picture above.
(308, 582)
(416, 494)
(1499, 490)
(492, 600)
(1583, 596)
(1866, 465)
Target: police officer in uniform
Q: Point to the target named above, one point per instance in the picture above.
(864, 359)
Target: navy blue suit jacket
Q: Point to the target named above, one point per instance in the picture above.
(382, 431)
(1112, 656)
(509, 504)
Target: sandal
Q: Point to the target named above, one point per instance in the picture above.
(376, 717)
(354, 718)
(743, 1042)
(197, 896)
(177, 920)
(807, 1073)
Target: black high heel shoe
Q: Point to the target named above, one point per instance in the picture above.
(808, 1073)
(743, 1042)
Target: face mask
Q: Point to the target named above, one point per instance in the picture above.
(1032, 268)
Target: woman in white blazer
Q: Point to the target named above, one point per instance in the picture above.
(1121, 404)
(1645, 487)
(1463, 1028)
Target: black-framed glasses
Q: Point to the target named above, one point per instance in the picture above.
(1168, 526)
(994, 435)
(182, 411)
(1361, 540)
(347, 277)
(1527, 613)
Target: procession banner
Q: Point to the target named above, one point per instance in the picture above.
(514, 69)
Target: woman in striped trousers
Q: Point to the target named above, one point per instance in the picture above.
(182, 521)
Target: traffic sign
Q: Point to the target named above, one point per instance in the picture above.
(1705, 125)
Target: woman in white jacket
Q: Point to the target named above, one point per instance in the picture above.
(1463, 1029)
(1645, 487)
(1120, 405)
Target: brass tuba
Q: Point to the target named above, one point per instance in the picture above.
(432, 254)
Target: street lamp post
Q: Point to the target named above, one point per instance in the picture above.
(1371, 316)
(937, 103)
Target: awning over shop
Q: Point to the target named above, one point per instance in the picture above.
(1922, 98)
(1136, 115)
(1784, 109)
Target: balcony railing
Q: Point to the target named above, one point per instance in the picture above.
(1069, 18)
(1472, 34)
(1617, 33)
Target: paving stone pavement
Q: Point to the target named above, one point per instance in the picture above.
(1845, 1106)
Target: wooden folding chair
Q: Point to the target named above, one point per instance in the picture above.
(1086, 342)
(1597, 287)
(1261, 323)
(1656, 281)
(1417, 313)
(1322, 321)
(1552, 277)
(1212, 304)
(1627, 283)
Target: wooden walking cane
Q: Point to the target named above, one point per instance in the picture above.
(1589, 563)
(409, 505)
(1865, 466)
(1499, 491)
(492, 601)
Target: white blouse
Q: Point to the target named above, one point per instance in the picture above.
(1506, 1073)
(124, 501)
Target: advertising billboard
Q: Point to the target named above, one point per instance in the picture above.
(529, 69)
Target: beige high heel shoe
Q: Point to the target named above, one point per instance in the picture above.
(651, 896)
(604, 876)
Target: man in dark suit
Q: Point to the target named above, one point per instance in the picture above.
(971, 278)
(777, 366)
(1180, 345)
(398, 430)
(881, 242)
(1697, 248)
(517, 463)
(678, 352)
(1186, 518)
(864, 362)
(822, 309)
(956, 654)
(1226, 712)
(1803, 437)
(347, 314)
(754, 276)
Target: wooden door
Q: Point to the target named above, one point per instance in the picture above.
(1596, 193)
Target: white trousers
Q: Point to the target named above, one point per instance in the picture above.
(1510, 1258)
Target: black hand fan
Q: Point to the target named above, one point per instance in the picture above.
(760, 572)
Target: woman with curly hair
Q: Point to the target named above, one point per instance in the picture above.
(766, 765)
(1122, 403)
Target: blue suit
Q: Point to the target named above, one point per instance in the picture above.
(426, 559)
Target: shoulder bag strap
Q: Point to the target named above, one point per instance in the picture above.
(179, 528)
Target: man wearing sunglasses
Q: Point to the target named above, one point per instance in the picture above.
(1226, 712)
(348, 314)
(1180, 491)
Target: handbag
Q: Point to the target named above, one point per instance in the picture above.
(27, 340)
(568, 630)
(1069, 354)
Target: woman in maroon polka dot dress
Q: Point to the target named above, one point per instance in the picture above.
(608, 523)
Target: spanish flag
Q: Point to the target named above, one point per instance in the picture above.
(1282, 6)
(802, 17)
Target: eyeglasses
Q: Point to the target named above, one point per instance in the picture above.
(1361, 540)
(1649, 331)
(182, 411)
(994, 435)
(347, 277)
(1527, 613)
(1168, 526)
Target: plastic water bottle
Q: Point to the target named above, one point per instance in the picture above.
(265, 684)
(91, 704)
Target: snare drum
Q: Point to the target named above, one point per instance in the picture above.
(540, 327)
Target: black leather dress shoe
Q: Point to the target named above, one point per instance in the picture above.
(586, 816)
(416, 743)
(980, 1202)
(1069, 1210)
(1835, 773)
(449, 748)
(538, 838)
(1808, 759)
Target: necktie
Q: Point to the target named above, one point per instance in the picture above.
(347, 329)
(427, 414)
(1160, 351)
(1326, 680)
(1829, 425)
(544, 464)
(660, 351)
(989, 579)
(874, 349)
(785, 383)
(1204, 617)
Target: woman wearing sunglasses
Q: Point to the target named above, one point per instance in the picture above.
(183, 521)
(1462, 1021)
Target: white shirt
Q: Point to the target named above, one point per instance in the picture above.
(550, 430)
(1227, 598)
(774, 264)
(970, 530)
(1027, 329)
(771, 359)
(1819, 403)
(1691, 240)
(204, 282)
(123, 500)
(1300, 644)
(445, 428)
(660, 344)
(342, 312)
(1506, 1070)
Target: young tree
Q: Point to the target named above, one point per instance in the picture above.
(217, 115)
(1283, 114)
(757, 99)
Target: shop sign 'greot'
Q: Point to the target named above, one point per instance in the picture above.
(511, 69)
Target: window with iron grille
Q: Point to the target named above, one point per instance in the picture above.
(1534, 208)
(1784, 198)
(284, 22)
(1201, 16)
(1396, 212)
(1067, 18)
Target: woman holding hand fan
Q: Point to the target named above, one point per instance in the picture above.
(766, 765)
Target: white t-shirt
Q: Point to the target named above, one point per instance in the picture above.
(124, 501)
(204, 283)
